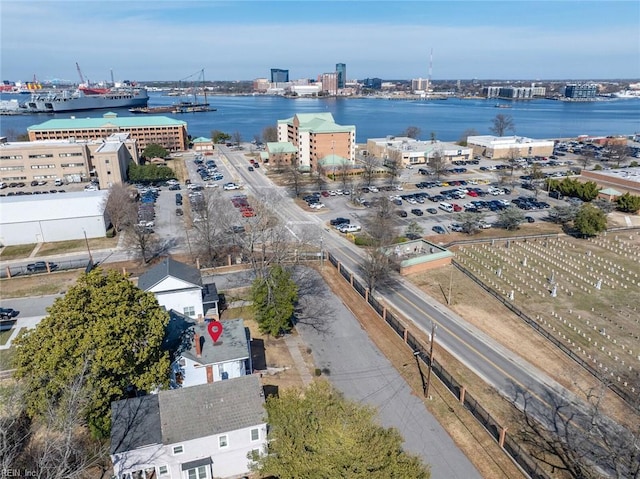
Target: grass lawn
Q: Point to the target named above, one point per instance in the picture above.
(17, 251)
(76, 245)
(6, 358)
(4, 336)
(38, 285)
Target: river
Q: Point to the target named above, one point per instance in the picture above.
(378, 117)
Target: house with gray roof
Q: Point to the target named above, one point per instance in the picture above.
(179, 286)
(201, 358)
(203, 432)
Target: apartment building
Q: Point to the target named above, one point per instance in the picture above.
(318, 140)
(160, 130)
(70, 160)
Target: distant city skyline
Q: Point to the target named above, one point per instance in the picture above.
(169, 40)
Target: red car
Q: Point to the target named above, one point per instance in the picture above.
(457, 207)
(473, 193)
(325, 193)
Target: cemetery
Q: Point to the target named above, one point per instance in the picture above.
(583, 292)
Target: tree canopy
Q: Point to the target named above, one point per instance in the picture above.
(316, 433)
(501, 124)
(590, 220)
(105, 330)
(628, 203)
(150, 172)
(274, 297)
(511, 218)
(154, 150)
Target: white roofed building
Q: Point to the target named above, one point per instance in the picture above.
(508, 146)
(26, 219)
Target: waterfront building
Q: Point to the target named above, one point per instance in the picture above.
(145, 129)
(411, 151)
(279, 76)
(341, 70)
(420, 85)
(261, 84)
(514, 93)
(372, 83)
(318, 140)
(329, 82)
(581, 91)
(507, 147)
(70, 160)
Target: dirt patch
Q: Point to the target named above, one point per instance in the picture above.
(38, 285)
(16, 251)
(468, 435)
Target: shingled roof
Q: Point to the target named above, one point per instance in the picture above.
(180, 415)
(169, 268)
(232, 345)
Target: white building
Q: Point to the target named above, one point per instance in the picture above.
(178, 286)
(26, 219)
(509, 146)
(415, 152)
(201, 358)
(202, 432)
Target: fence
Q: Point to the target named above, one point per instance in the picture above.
(624, 395)
(495, 430)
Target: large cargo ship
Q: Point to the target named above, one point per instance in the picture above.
(78, 100)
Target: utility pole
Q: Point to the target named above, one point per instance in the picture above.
(450, 286)
(321, 253)
(88, 249)
(433, 334)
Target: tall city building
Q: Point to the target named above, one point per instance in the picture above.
(585, 91)
(279, 76)
(341, 70)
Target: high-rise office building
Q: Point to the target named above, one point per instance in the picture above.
(341, 70)
(279, 76)
(586, 91)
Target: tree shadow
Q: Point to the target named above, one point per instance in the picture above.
(258, 356)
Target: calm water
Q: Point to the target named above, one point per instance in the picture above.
(375, 118)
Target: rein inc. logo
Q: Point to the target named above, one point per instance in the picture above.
(18, 473)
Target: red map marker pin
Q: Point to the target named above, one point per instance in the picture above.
(215, 330)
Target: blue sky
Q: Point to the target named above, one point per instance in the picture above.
(241, 40)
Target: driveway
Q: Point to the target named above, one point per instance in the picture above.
(357, 368)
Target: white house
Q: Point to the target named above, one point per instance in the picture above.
(202, 432)
(202, 357)
(179, 286)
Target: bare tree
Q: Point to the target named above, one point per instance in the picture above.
(320, 177)
(587, 156)
(294, 177)
(537, 177)
(237, 138)
(413, 229)
(344, 170)
(270, 134)
(370, 165)
(120, 206)
(502, 124)
(584, 443)
(617, 153)
(212, 226)
(394, 166)
(412, 132)
(470, 222)
(15, 425)
(437, 164)
(142, 240)
(381, 223)
(376, 267)
(466, 134)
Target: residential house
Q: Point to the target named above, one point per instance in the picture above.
(179, 286)
(202, 357)
(202, 432)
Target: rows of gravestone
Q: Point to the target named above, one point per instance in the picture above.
(613, 362)
(618, 245)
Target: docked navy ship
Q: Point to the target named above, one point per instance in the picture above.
(78, 100)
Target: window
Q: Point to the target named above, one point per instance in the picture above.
(255, 434)
(190, 311)
(223, 442)
(162, 470)
(197, 473)
(178, 450)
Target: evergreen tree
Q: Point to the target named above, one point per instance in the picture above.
(316, 433)
(628, 203)
(105, 330)
(153, 150)
(274, 299)
(590, 220)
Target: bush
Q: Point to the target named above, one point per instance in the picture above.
(111, 232)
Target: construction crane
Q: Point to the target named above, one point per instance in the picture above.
(80, 74)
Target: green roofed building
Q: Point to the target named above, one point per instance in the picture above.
(160, 130)
(202, 144)
(318, 139)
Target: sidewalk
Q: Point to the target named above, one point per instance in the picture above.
(294, 343)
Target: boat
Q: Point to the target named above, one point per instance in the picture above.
(627, 94)
(152, 110)
(68, 100)
(502, 105)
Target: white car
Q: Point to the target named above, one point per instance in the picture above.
(231, 186)
(211, 185)
(348, 228)
(194, 186)
(316, 206)
(172, 182)
(90, 188)
(399, 188)
(456, 227)
(373, 189)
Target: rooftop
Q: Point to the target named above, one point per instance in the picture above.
(232, 345)
(169, 268)
(109, 120)
(71, 205)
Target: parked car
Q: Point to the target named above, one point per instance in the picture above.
(530, 219)
(439, 229)
(348, 228)
(230, 186)
(179, 212)
(40, 266)
(8, 313)
(251, 168)
(339, 221)
(401, 213)
(432, 211)
(417, 211)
